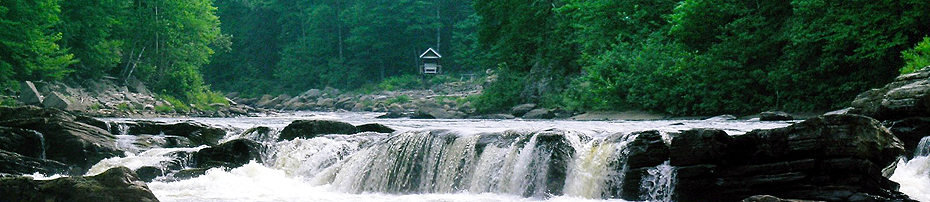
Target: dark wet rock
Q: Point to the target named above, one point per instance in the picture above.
(700, 146)
(189, 173)
(16, 164)
(910, 131)
(768, 198)
(539, 114)
(647, 150)
(232, 154)
(312, 128)
(436, 113)
(117, 185)
(258, 134)
(29, 95)
(831, 158)
(22, 141)
(495, 116)
(392, 115)
(907, 96)
(775, 116)
(149, 173)
(422, 115)
(374, 127)
(520, 110)
(76, 144)
(197, 133)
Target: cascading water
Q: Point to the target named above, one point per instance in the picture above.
(499, 161)
(914, 174)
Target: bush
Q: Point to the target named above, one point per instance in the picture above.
(401, 82)
(177, 104)
(399, 99)
(916, 58)
(204, 99)
(502, 93)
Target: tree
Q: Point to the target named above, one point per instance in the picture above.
(174, 40)
(28, 49)
(87, 30)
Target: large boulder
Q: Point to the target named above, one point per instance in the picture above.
(907, 96)
(775, 116)
(57, 101)
(76, 144)
(197, 133)
(117, 185)
(539, 114)
(232, 154)
(311, 128)
(436, 113)
(374, 127)
(520, 110)
(29, 95)
(831, 158)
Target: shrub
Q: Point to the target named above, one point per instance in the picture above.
(917, 57)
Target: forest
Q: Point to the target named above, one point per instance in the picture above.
(679, 57)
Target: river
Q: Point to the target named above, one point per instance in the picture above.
(359, 167)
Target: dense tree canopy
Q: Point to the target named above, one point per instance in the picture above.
(683, 57)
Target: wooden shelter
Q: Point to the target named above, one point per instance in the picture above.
(430, 62)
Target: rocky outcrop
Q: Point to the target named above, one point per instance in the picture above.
(374, 127)
(831, 158)
(259, 134)
(76, 144)
(520, 110)
(117, 185)
(769, 198)
(22, 141)
(539, 114)
(907, 96)
(312, 128)
(910, 131)
(775, 116)
(232, 154)
(903, 105)
(197, 133)
(17, 164)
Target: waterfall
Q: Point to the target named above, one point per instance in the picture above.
(914, 174)
(923, 148)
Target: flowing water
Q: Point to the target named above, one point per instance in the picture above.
(442, 160)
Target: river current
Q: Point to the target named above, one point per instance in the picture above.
(358, 167)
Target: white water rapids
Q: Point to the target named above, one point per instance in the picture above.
(439, 160)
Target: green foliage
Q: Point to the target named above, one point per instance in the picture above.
(695, 57)
(916, 58)
(401, 82)
(502, 93)
(87, 32)
(164, 109)
(283, 46)
(204, 100)
(123, 106)
(400, 99)
(8, 101)
(28, 49)
(175, 103)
